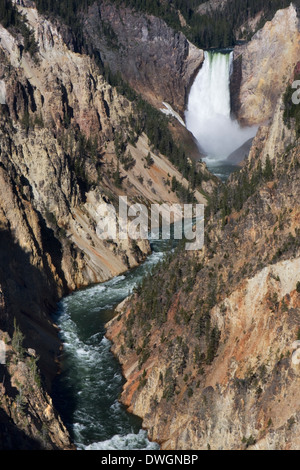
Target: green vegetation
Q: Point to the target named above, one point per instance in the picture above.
(80, 149)
(117, 177)
(185, 288)
(213, 344)
(11, 19)
(147, 119)
(232, 197)
(169, 384)
(35, 374)
(155, 125)
(215, 29)
(17, 345)
(290, 245)
(250, 441)
(149, 160)
(17, 341)
(143, 380)
(184, 194)
(128, 162)
(156, 299)
(290, 422)
(69, 11)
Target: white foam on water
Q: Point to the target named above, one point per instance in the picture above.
(115, 280)
(129, 442)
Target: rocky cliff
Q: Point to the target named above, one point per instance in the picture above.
(157, 62)
(211, 358)
(263, 67)
(69, 142)
(209, 347)
(215, 367)
(210, 6)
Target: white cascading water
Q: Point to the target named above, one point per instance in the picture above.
(208, 114)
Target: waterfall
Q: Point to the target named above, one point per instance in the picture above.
(208, 114)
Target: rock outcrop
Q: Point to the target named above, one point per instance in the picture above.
(64, 119)
(28, 419)
(68, 145)
(210, 6)
(263, 67)
(157, 62)
(211, 358)
(209, 348)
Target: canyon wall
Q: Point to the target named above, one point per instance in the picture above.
(263, 67)
(68, 145)
(158, 63)
(69, 142)
(216, 367)
(211, 358)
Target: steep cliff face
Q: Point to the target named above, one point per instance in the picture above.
(211, 5)
(42, 100)
(157, 62)
(209, 347)
(65, 120)
(263, 67)
(211, 358)
(28, 419)
(68, 144)
(248, 396)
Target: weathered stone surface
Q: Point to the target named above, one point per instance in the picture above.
(263, 67)
(158, 63)
(210, 6)
(248, 397)
(28, 418)
(232, 402)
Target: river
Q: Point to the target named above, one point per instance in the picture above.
(87, 391)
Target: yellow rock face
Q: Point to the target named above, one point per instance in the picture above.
(267, 64)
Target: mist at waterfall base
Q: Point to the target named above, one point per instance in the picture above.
(208, 114)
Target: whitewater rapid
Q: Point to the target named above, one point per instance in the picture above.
(87, 391)
(208, 113)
